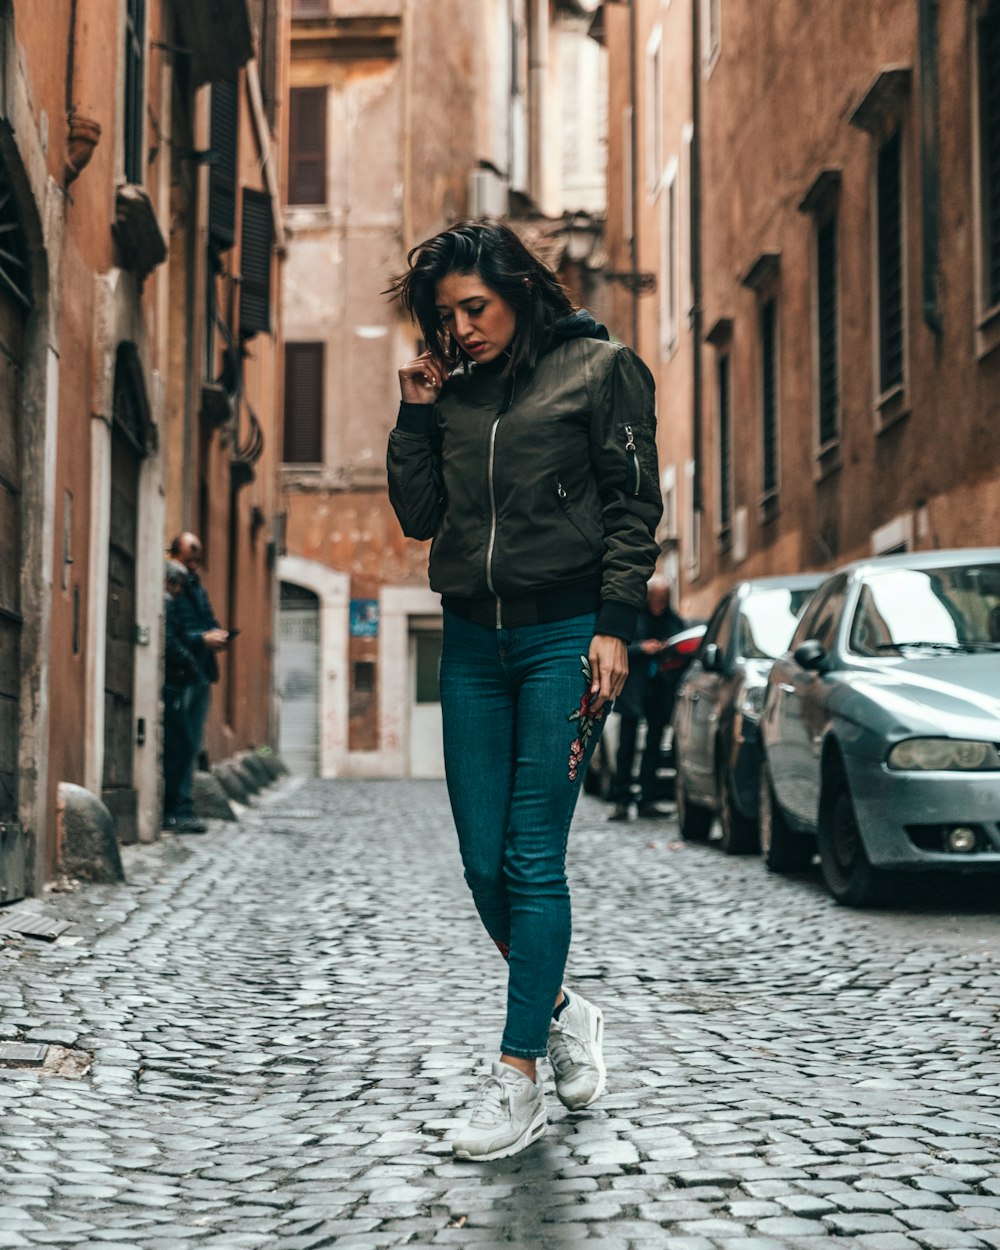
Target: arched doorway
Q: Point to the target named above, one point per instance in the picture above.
(15, 302)
(298, 667)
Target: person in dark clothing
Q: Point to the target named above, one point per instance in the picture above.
(204, 638)
(180, 671)
(648, 695)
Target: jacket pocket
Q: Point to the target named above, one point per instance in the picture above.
(589, 534)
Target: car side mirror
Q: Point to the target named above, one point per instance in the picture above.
(811, 656)
(711, 658)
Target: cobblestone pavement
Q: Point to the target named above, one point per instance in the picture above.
(287, 1017)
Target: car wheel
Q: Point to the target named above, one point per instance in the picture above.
(783, 848)
(695, 821)
(739, 833)
(847, 872)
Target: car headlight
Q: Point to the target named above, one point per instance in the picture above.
(752, 701)
(944, 755)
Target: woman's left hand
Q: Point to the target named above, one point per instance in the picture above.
(609, 668)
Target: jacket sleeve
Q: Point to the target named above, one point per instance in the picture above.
(414, 466)
(189, 628)
(623, 453)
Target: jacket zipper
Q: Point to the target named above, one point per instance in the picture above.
(493, 502)
(631, 462)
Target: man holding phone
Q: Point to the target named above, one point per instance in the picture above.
(205, 639)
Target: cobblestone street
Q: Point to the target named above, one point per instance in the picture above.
(286, 1018)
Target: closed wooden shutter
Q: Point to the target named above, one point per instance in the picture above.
(222, 181)
(769, 394)
(135, 89)
(725, 444)
(307, 146)
(303, 403)
(827, 331)
(255, 264)
(890, 263)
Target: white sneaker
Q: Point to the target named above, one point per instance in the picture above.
(575, 1053)
(507, 1115)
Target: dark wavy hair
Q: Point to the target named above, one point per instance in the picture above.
(494, 252)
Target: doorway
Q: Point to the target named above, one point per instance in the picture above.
(298, 679)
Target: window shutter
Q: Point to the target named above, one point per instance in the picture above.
(890, 263)
(769, 393)
(307, 146)
(303, 403)
(989, 126)
(725, 446)
(826, 325)
(222, 181)
(255, 264)
(135, 104)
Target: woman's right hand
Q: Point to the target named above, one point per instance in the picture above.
(421, 380)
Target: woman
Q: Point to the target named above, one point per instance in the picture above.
(524, 449)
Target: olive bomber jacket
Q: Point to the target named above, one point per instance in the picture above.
(540, 493)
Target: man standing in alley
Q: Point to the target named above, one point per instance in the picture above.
(204, 638)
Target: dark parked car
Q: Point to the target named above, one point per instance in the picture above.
(678, 652)
(881, 726)
(719, 703)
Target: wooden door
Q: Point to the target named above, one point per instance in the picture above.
(12, 846)
(119, 794)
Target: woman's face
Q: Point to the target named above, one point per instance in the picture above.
(479, 319)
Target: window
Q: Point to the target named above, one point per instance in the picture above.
(427, 667)
(769, 395)
(303, 403)
(135, 89)
(669, 317)
(724, 441)
(989, 152)
(822, 613)
(654, 110)
(255, 264)
(889, 217)
(224, 128)
(827, 332)
(307, 146)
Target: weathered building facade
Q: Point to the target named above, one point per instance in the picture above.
(109, 440)
(404, 116)
(836, 260)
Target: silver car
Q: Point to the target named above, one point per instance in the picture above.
(881, 725)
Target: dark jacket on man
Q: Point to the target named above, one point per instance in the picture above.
(196, 617)
(539, 490)
(180, 668)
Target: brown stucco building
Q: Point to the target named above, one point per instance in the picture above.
(142, 392)
(834, 260)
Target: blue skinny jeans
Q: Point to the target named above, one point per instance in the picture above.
(506, 699)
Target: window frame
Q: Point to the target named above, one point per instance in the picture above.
(770, 492)
(134, 61)
(886, 390)
(670, 292)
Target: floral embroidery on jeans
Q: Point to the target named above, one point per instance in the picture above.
(586, 722)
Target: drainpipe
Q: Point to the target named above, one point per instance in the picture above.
(930, 160)
(538, 69)
(695, 258)
(634, 176)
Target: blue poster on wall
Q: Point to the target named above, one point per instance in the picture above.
(364, 618)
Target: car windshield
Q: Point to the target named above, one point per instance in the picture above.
(767, 621)
(939, 611)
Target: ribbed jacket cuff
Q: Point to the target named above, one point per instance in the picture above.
(616, 619)
(414, 418)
